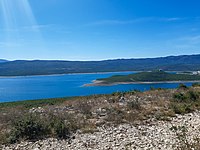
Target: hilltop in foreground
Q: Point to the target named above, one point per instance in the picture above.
(156, 119)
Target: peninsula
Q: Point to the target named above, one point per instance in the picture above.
(145, 77)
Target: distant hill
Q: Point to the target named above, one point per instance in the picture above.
(154, 76)
(47, 67)
(3, 60)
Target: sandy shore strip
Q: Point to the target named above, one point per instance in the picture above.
(102, 83)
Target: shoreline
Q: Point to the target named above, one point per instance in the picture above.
(101, 83)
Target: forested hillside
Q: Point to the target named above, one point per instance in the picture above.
(47, 67)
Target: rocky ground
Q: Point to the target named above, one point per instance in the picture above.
(151, 135)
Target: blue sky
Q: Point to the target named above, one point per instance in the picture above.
(98, 29)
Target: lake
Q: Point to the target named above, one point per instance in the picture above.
(39, 87)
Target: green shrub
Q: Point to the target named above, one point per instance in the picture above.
(30, 127)
(181, 108)
(177, 108)
(182, 86)
(34, 127)
(192, 95)
(59, 128)
(180, 97)
(185, 102)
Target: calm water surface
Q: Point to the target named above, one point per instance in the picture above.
(38, 87)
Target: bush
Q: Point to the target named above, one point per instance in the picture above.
(30, 127)
(58, 127)
(177, 108)
(181, 108)
(192, 95)
(185, 103)
(182, 86)
(180, 97)
(34, 127)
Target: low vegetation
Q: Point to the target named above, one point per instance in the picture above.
(60, 118)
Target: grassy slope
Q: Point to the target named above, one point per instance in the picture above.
(34, 103)
(150, 77)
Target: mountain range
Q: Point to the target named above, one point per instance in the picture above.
(3, 60)
(48, 67)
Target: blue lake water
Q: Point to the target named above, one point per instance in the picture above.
(39, 87)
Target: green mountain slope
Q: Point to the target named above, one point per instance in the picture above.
(48, 67)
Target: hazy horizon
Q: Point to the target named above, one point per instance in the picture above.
(99, 59)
